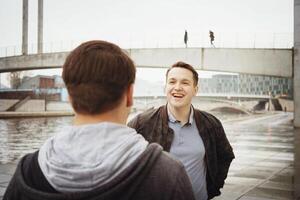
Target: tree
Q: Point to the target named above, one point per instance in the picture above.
(15, 79)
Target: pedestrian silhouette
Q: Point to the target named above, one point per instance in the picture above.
(212, 38)
(185, 38)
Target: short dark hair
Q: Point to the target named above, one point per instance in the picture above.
(185, 66)
(96, 74)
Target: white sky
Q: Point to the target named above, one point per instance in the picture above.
(155, 23)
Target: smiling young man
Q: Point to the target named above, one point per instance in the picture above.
(99, 157)
(194, 137)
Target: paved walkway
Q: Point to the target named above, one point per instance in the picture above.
(263, 168)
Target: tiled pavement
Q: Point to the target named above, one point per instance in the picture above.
(263, 167)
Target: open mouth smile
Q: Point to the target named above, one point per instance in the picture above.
(176, 95)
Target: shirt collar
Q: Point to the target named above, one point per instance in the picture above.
(174, 120)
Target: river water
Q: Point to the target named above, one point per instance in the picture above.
(24, 135)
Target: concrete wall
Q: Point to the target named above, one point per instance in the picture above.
(5, 104)
(288, 104)
(34, 105)
(59, 106)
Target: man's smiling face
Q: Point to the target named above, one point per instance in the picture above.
(180, 87)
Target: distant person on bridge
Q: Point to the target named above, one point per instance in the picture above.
(212, 38)
(185, 39)
(194, 137)
(99, 157)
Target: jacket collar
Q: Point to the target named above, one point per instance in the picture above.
(198, 117)
(164, 115)
(165, 119)
(174, 120)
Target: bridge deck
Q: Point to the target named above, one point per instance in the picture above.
(271, 62)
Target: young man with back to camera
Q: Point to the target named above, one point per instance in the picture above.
(99, 157)
(194, 137)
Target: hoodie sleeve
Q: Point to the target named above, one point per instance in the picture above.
(183, 188)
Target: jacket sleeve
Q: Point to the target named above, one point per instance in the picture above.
(183, 188)
(225, 156)
(134, 123)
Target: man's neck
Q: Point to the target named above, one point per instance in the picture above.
(181, 114)
(83, 119)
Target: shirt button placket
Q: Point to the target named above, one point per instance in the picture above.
(180, 136)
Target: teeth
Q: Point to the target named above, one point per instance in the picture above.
(177, 95)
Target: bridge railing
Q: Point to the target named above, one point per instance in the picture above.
(170, 40)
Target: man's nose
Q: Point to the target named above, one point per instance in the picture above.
(177, 86)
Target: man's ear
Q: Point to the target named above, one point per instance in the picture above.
(196, 90)
(129, 95)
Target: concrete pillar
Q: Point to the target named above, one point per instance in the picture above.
(297, 98)
(297, 163)
(40, 26)
(25, 28)
(297, 62)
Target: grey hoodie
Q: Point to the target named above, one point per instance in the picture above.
(73, 161)
(82, 158)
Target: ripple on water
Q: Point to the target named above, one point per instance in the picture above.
(25, 135)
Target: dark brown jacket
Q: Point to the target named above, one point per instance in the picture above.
(153, 176)
(153, 125)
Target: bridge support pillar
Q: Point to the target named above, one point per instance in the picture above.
(297, 98)
(297, 62)
(40, 25)
(25, 28)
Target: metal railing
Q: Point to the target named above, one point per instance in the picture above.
(171, 40)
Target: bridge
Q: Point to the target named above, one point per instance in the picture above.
(218, 101)
(271, 62)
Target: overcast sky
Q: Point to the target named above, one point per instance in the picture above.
(154, 23)
(140, 21)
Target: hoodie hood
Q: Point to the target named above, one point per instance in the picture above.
(82, 158)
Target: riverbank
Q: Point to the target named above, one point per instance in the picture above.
(264, 165)
(7, 115)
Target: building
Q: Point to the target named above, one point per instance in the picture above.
(37, 82)
(264, 85)
(41, 87)
(246, 84)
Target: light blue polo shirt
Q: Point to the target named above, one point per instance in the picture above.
(188, 147)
